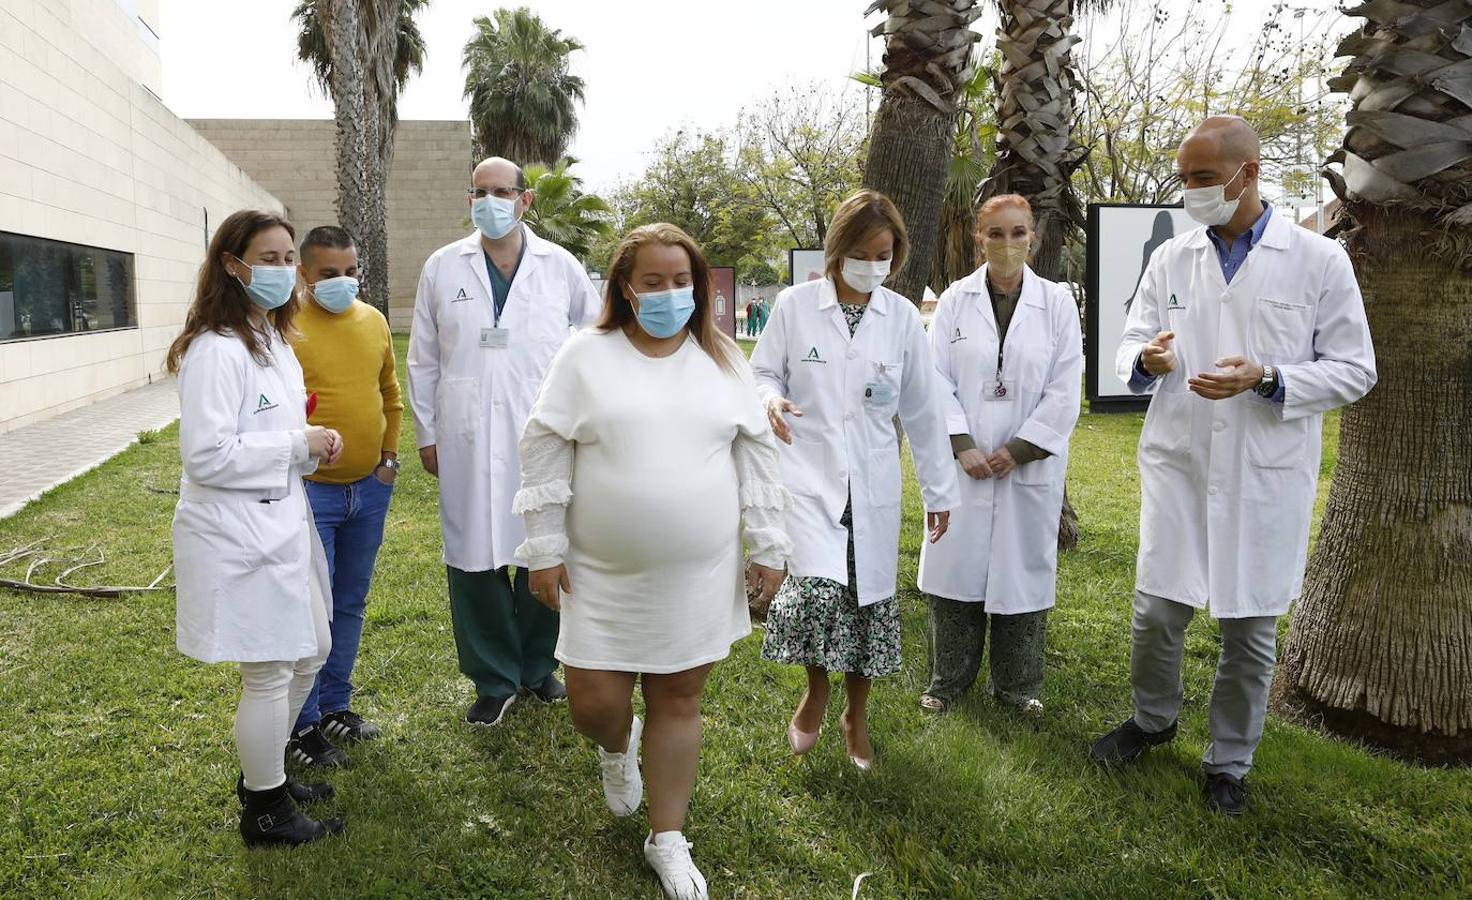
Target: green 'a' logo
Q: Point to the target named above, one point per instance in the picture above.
(1175, 303)
(813, 355)
(264, 403)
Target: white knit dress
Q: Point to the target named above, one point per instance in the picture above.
(638, 473)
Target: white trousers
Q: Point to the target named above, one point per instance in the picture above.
(271, 696)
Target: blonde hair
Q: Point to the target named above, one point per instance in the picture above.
(619, 312)
(1005, 201)
(859, 218)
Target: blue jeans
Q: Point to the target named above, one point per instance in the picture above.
(350, 522)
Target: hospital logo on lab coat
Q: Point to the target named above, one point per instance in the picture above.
(264, 404)
(460, 296)
(814, 357)
(958, 336)
(1175, 303)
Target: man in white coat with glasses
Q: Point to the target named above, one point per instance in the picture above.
(492, 310)
(1246, 331)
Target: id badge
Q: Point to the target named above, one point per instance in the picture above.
(495, 338)
(879, 393)
(996, 390)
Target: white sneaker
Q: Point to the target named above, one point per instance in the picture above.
(623, 786)
(669, 857)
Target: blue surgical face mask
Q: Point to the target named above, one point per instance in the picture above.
(270, 286)
(335, 294)
(663, 313)
(493, 216)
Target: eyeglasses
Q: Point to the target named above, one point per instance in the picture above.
(502, 193)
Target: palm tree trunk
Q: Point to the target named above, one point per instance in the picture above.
(341, 27)
(1381, 643)
(909, 154)
(1036, 152)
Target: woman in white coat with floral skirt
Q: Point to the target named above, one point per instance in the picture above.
(251, 576)
(840, 359)
(1010, 355)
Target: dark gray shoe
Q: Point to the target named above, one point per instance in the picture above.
(549, 691)
(310, 747)
(1126, 743)
(270, 818)
(1226, 794)
(349, 726)
(488, 711)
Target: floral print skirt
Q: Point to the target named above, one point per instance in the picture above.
(819, 622)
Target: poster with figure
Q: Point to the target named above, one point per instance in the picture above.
(1121, 239)
(804, 265)
(723, 293)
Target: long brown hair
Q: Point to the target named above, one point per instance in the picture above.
(220, 302)
(856, 220)
(618, 312)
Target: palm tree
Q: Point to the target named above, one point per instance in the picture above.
(362, 53)
(1381, 643)
(562, 213)
(1036, 115)
(523, 98)
(926, 63)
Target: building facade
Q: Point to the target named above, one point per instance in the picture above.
(296, 160)
(107, 201)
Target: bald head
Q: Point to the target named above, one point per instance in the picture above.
(1229, 138)
(503, 172)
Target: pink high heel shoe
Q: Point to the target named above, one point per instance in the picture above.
(801, 741)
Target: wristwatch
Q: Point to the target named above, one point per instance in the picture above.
(1269, 384)
(392, 464)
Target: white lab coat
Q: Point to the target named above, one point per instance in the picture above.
(1228, 486)
(846, 443)
(243, 568)
(471, 401)
(1002, 548)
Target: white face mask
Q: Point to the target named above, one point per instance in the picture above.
(864, 275)
(1209, 205)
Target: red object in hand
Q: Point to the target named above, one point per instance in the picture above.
(311, 403)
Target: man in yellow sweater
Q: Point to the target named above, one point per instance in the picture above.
(347, 359)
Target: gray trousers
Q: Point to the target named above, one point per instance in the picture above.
(1244, 672)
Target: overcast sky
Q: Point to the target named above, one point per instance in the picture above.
(651, 66)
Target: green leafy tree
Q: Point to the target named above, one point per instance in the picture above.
(362, 52)
(564, 214)
(801, 153)
(523, 95)
(691, 182)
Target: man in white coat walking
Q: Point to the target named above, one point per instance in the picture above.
(492, 310)
(1246, 331)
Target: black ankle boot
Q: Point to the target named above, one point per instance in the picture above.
(301, 792)
(270, 818)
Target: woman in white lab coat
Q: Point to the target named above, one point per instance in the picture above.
(840, 358)
(250, 571)
(1010, 355)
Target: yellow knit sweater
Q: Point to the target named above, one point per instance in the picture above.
(348, 362)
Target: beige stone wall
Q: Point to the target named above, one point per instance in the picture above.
(295, 159)
(90, 155)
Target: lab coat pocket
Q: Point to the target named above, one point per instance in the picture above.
(1273, 443)
(882, 389)
(1168, 424)
(1040, 471)
(1282, 331)
(884, 477)
(270, 534)
(458, 410)
(803, 464)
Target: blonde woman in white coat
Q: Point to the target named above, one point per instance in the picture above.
(251, 574)
(1010, 355)
(840, 359)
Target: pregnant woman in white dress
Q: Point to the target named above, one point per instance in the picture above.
(645, 463)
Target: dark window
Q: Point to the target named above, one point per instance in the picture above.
(52, 287)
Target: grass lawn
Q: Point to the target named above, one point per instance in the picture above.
(117, 764)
